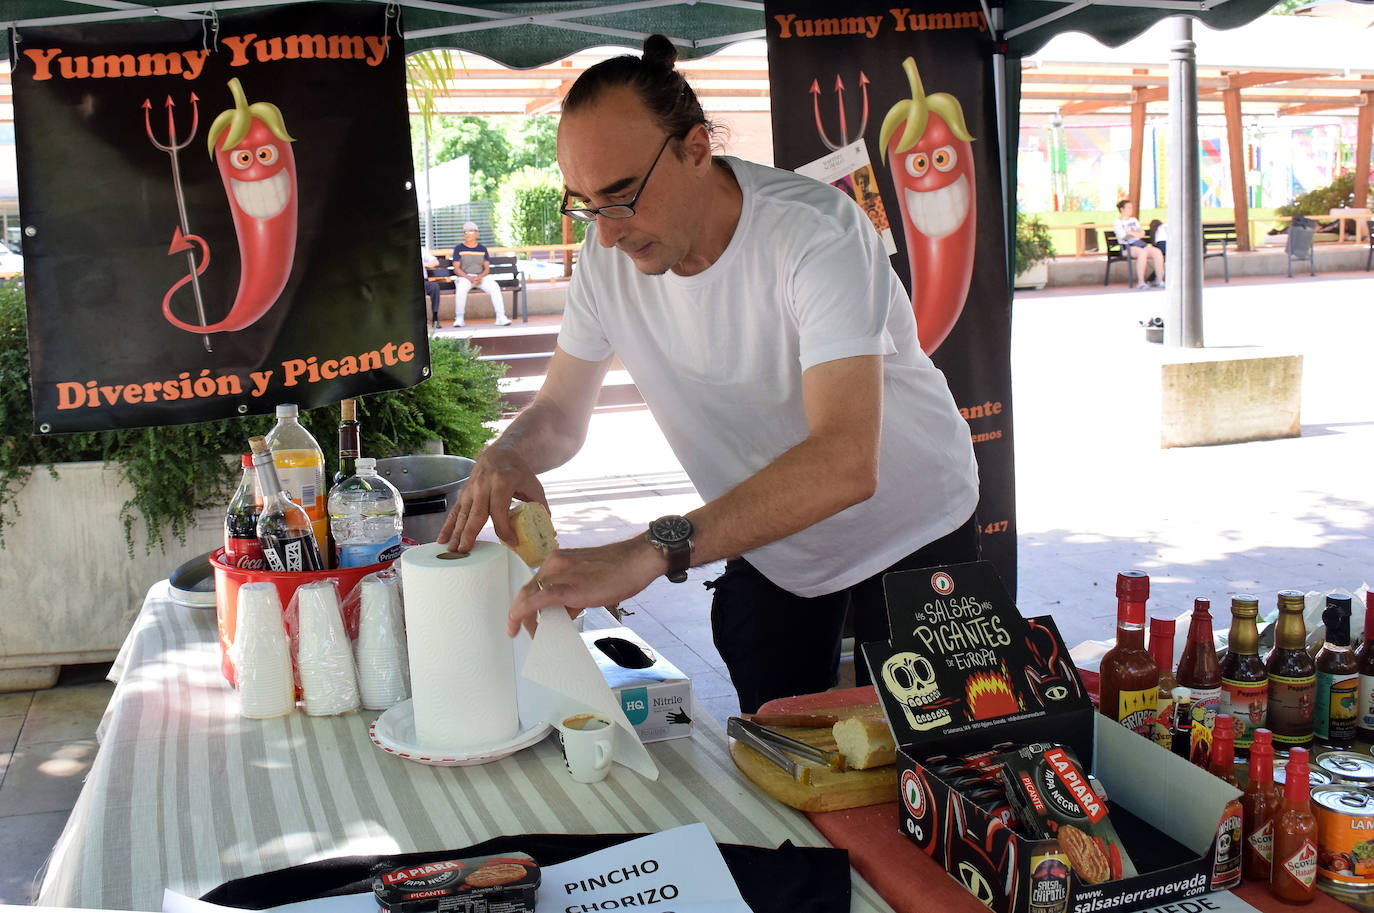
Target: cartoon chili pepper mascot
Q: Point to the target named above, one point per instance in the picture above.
(932, 168)
(250, 145)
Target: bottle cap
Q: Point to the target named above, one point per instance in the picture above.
(288, 410)
(1181, 694)
(1244, 605)
(1263, 742)
(1292, 599)
(257, 443)
(1203, 605)
(1133, 586)
(247, 461)
(348, 410)
(1336, 617)
(1223, 727)
(367, 465)
(1162, 641)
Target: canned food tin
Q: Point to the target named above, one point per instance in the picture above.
(1315, 777)
(1345, 834)
(1347, 766)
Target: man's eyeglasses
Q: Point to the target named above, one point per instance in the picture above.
(614, 210)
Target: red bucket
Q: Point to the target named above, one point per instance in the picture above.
(229, 579)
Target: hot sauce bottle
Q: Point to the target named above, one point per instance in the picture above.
(1223, 761)
(1335, 708)
(1129, 679)
(1200, 673)
(1293, 876)
(1292, 676)
(1259, 804)
(1244, 681)
(1162, 649)
(1364, 726)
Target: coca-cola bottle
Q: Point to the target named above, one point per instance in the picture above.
(284, 529)
(241, 546)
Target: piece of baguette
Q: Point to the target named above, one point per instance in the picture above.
(865, 741)
(534, 533)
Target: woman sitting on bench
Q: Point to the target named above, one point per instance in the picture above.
(1132, 238)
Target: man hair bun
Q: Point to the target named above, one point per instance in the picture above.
(659, 51)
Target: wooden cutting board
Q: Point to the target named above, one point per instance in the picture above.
(829, 790)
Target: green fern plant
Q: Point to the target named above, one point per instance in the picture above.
(177, 470)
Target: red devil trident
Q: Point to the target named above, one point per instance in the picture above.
(839, 92)
(181, 236)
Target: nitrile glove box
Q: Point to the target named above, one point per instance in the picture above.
(963, 672)
(655, 695)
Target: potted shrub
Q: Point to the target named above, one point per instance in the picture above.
(89, 521)
(1034, 247)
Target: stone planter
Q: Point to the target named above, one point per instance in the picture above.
(70, 591)
(1034, 276)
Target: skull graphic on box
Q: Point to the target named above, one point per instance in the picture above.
(910, 678)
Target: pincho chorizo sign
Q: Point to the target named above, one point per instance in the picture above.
(894, 105)
(218, 216)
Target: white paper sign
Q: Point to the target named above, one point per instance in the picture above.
(850, 169)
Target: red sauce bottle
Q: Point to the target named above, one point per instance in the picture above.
(1223, 761)
(1200, 672)
(1293, 876)
(1259, 804)
(1162, 649)
(1129, 683)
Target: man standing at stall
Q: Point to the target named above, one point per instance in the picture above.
(764, 326)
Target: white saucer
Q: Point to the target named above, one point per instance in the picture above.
(394, 733)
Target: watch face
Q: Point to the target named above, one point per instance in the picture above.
(669, 530)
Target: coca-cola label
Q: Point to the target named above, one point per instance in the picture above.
(245, 554)
(1302, 865)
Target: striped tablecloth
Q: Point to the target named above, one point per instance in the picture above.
(185, 794)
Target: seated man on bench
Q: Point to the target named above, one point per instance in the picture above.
(1132, 238)
(472, 266)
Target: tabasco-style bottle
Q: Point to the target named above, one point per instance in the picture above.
(1244, 681)
(1259, 804)
(1162, 649)
(1364, 726)
(1129, 679)
(1335, 709)
(1292, 677)
(1293, 876)
(1200, 673)
(1223, 761)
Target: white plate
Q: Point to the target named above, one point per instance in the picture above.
(394, 733)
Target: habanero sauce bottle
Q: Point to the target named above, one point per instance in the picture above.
(1162, 649)
(1244, 680)
(1200, 673)
(1335, 709)
(1129, 683)
(1364, 726)
(1293, 876)
(1259, 805)
(1292, 677)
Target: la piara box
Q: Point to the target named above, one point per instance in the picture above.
(963, 673)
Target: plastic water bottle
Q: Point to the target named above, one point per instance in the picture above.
(365, 517)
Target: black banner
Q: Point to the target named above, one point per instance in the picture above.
(895, 106)
(219, 215)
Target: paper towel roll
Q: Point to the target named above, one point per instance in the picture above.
(462, 664)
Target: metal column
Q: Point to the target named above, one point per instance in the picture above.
(1183, 268)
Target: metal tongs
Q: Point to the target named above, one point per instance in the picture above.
(779, 749)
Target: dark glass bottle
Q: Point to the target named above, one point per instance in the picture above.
(1292, 677)
(1129, 679)
(1335, 709)
(1162, 649)
(1364, 726)
(241, 546)
(349, 433)
(1200, 673)
(1244, 681)
(1293, 875)
(1260, 803)
(284, 528)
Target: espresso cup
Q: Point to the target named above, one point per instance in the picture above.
(587, 740)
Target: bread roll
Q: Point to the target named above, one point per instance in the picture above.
(865, 741)
(534, 533)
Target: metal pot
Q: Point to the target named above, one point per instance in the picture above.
(429, 484)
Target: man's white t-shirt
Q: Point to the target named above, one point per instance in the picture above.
(719, 358)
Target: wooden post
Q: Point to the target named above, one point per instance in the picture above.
(1363, 138)
(1235, 143)
(567, 254)
(1137, 145)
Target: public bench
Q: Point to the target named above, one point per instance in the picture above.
(1115, 254)
(504, 269)
(1216, 238)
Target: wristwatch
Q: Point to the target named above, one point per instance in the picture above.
(673, 535)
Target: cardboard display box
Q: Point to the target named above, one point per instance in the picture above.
(964, 672)
(655, 696)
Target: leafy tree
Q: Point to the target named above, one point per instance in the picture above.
(1286, 7)
(527, 208)
(1321, 200)
(482, 139)
(536, 142)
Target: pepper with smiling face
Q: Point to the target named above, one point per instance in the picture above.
(258, 168)
(932, 168)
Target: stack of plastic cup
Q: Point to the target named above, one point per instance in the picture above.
(324, 655)
(262, 654)
(383, 666)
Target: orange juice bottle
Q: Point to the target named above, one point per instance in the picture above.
(300, 467)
